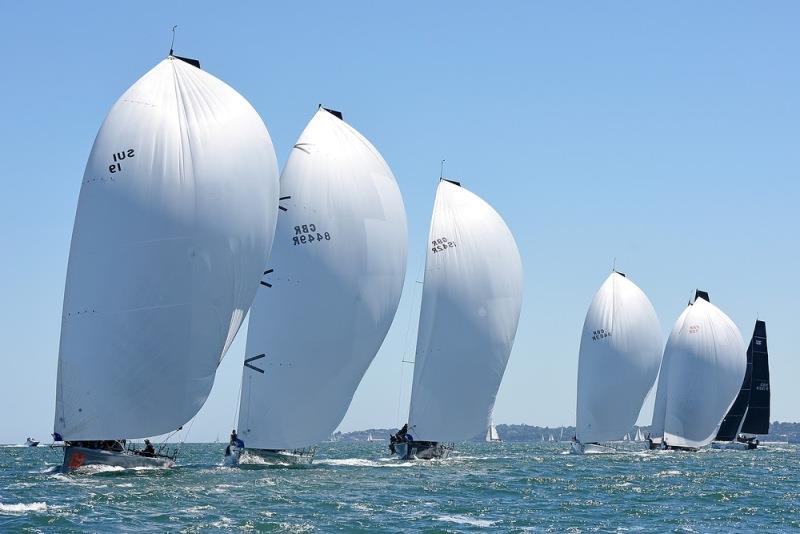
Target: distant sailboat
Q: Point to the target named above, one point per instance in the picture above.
(551, 438)
(626, 437)
(175, 220)
(619, 356)
(471, 299)
(701, 373)
(491, 433)
(328, 296)
(749, 414)
(370, 438)
(639, 435)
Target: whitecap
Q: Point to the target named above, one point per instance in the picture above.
(464, 520)
(21, 508)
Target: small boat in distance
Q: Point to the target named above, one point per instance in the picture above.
(370, 438)
(639, 436)
(30, 442)
(175, 220)
(749, 414)
(702, 371)
(491, 434)
(471, 300)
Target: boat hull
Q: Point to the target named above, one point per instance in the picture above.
(76, 457)
(254, 458)
(422, 450)
(738, 445)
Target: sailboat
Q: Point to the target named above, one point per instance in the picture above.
(749, 414)
(175, 220)
(639, 436)
(551, 438)
(370, 438)
(702, 371)
(329, 294)
(618, 362)
(471, 300)
(491, 433)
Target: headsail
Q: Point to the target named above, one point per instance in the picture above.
(175, 220)
(471, 300)
(619, 357)
(702, 371)
(330, 291)
(757, 419)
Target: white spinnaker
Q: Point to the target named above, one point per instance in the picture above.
(705, 361)
(166, 253)
(471, 300)
(619, 357)
(660, 405)
(338, 267)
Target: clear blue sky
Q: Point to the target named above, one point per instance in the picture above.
(665, 136)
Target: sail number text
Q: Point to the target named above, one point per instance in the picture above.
(307, 233)
(600, 334)
(441, 244)
(118, 157)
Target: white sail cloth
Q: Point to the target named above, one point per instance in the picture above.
(619, 357)
(701, 373)
(471, 300)
(175, 221)
(337, 271)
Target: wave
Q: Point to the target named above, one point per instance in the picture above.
(464, 520)
(362, 462)
(21, 508)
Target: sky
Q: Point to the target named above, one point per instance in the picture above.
(663, 137)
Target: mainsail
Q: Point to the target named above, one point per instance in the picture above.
(619, 357)
(757, 419)
(175, 221)
(701, 373)
(471, 300)
(330, 289)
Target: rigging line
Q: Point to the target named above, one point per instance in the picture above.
(238, 404)
(186, 435)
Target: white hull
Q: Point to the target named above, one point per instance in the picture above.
(75, 457)
(590, 448)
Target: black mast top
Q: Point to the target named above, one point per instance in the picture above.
(190, 61)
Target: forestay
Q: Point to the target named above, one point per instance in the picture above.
(330, 290)
(702, 370)
(175, 220)
(471, 299)
(619, 357)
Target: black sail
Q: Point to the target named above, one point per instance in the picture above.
(729, 428)
(757, 419)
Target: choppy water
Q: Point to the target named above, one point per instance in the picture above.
(355, 488)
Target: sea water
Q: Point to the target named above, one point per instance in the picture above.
(356, 487)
